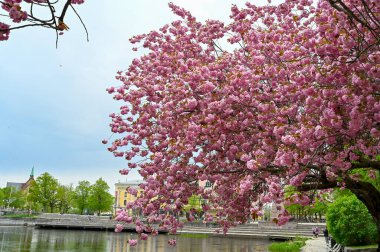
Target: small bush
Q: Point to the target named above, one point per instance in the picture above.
(289, 246)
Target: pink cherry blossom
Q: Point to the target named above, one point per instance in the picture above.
(4, 31)
(172, 242)
(119, 228)
(143, 236)
(132, 242)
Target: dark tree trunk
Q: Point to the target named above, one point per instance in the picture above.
(370, 196)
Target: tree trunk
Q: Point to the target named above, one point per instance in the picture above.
(378, 237)
(370, 196)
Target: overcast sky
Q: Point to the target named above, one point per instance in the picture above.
(53, 104)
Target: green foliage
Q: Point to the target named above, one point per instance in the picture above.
(349, 221)
(44, 191)
(65, 196)
(289, 246)
(2, 197)
(17, 216)
(82, 194)
(100, 200)
(10, 197)
(317, 209)
(195, 202)
(368, 175)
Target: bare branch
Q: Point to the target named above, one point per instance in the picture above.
(84, 26)
(67, 4)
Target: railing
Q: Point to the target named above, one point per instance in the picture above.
(333, 246)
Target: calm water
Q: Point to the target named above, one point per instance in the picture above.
(27, 239)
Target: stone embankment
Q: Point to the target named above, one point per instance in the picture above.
(260, 230)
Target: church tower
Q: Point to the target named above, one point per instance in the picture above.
(28, 183)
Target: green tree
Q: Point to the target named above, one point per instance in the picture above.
(65, 196)
(100, 200)
(195, 202)
(303, 212)
(44, 191)
(349, 221)
(11, 197)
(81, 195)
(2, 197)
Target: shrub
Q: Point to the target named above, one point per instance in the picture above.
(289, 246)
(350, 223)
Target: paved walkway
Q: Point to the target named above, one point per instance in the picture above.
(315, 245)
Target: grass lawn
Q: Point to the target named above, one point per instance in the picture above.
(19, 216)
(288, 246)
(194, 235)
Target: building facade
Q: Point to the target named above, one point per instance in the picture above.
(122, 196)
(17, 186)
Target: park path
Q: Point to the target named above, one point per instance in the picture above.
(315, 245)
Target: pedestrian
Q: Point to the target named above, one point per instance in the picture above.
(316, 232)
(326, 235)
(313, 231)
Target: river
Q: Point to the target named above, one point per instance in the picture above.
(29, 239)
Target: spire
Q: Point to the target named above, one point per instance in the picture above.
(32, 172)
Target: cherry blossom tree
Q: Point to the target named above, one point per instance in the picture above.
(281, 95)
(28, 13)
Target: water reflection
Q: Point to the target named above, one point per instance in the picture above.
(24, 239)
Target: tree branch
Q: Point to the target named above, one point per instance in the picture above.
(363, 163)
(67, 4)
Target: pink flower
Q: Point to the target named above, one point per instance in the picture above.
(77, 1)
(139, 229)
(283, 219)
(252, 165)
(110, 90)
(128, 219)
(172, 242)
(207, 87)
(4, 31)
(124, 172)
(143, 236)
(132, 191)
(119, 228)
(245, 157)
(16, 14)
(132, 242)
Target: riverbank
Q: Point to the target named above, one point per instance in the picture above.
(258, 230)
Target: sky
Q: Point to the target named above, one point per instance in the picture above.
(53, 104)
